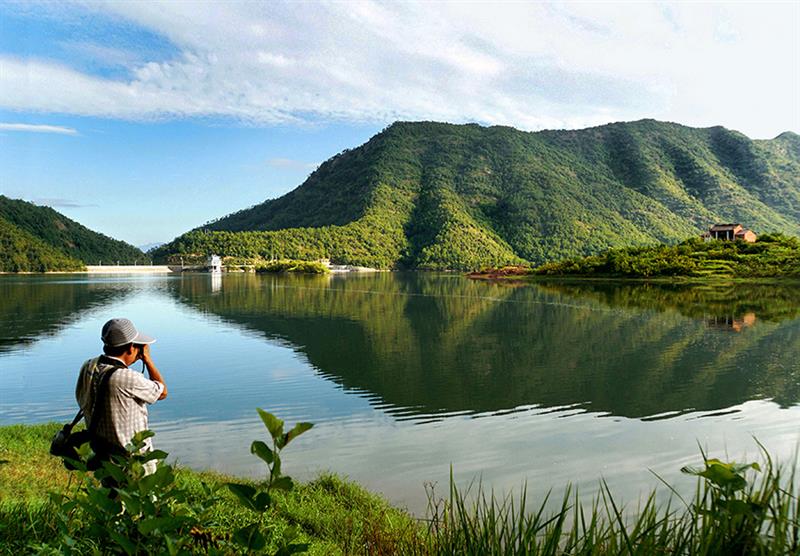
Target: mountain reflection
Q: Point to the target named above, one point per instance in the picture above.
(425, 344)
(40, 306)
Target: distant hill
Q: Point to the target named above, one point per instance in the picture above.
(38, 238)
(148, 246)
(441, 196)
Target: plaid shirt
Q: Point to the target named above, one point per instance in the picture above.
(125, 411)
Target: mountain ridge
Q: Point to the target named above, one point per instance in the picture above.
(437, 195)
(39, 238)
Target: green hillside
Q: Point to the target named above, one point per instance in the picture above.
(22, 252)
(773, 255)
(43, 234)
(441, 196)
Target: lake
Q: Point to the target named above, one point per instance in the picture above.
(408, 374)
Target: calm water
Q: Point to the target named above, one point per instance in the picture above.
(408, 374)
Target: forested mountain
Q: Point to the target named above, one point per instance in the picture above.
(35, 238)
(22, 252)
(432, 195)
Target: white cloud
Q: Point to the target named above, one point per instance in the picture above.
(530, 65)
(57, 202)
(291, 164)
(38, 128)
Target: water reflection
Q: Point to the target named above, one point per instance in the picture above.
(773, 302)
(32, 308)
(424, 344)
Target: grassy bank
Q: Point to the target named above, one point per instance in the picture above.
(332, 515)
(738, 509)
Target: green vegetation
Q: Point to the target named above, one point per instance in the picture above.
(773, 255)
(177, 511)
(330, 515)
(299, 267)
(728, 515)
(22, 252)
(39, 239)
(462, 197)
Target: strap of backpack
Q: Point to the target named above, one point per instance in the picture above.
(79, 415)
(100, 398)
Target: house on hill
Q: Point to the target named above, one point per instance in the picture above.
(730, 232)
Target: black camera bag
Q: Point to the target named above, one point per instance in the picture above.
(65, 443)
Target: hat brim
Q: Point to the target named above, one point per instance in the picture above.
(143, 339)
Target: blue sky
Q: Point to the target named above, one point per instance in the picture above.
(145, 119)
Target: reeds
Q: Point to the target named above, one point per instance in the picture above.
(724, 518)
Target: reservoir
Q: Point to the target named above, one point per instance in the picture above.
(408, 376)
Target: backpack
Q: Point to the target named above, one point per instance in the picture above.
(65, 443)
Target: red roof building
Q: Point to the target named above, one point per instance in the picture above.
(730, 232)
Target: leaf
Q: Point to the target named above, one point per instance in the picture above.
(245, 494)
(132, 504)
(157, 481)
(296, 431)
(155, 454)
(296, 548)
(100, 500)
(141, 436)
(123, 542)
(273, 424)
(250, 537)
(722, 474)
(736, 507)
(282, 483)
(163, 524)
(261, 450)
(114, 471)
(262, 501)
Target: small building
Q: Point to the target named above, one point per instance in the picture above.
(730, 232)
(214, 264)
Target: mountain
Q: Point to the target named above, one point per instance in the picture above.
(442, 196)
(35, 238)
(148, 246)
(23, 252)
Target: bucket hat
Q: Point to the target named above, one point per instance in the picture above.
(118, 332)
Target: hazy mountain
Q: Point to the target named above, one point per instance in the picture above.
(148, 246)
(432, 195)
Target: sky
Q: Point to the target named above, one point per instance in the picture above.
(143, 120)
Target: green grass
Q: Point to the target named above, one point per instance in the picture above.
(335, 516)
(737, 509)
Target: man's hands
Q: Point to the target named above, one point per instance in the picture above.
(144, 354)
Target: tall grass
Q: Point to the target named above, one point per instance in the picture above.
(727, 516)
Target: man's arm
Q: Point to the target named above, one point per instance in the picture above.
(152, 370)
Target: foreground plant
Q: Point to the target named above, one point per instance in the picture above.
(259, 500)
(151, 514)
(141, 514)
(729, 515)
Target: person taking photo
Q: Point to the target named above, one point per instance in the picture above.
(114, 397)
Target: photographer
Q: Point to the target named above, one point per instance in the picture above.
(122, 411)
